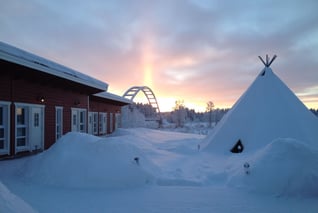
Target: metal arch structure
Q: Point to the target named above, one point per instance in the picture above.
(133, 91)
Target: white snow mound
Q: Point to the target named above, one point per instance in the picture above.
(11, 203)
(79, 160)
(284, 167)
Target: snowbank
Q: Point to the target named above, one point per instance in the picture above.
(283, 167)
(80, 160)
(11, 203)
(186, 181)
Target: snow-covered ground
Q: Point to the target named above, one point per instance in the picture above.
(143, 170)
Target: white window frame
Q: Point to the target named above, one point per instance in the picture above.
(111, 122)
(95, 123)
(90, 123)
(24, 126)
(28, 107)
(74, 122)
(6, 127)
(102, 123)
(81, 118)
(58, 122)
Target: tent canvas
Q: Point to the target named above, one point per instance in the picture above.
(266, 111)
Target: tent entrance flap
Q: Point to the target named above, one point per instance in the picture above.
(238, 147)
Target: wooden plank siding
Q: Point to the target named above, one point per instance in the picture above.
(102, 105)
(19, 84)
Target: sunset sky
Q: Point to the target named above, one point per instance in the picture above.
(191, 50)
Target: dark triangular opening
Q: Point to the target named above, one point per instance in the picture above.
(238, 147)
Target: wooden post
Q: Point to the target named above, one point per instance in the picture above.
(272, 60)
(262, 60)
(268, 62)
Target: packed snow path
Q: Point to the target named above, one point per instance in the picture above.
(172, 175)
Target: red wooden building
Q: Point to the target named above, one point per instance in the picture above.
(41, 100)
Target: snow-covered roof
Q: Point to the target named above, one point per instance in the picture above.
(113, 97)
(19, 56)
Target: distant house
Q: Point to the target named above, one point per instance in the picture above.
(41, 100)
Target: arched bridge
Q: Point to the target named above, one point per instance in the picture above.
(133, 91)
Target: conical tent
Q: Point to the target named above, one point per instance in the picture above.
(268, 110)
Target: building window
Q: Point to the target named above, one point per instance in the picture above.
(95, 123)
(102, 123)
(29, 127)
(82, 121)
(21, 126)
(1, 115)
(111, 122)
(2, 137)
(58, 122)
(36, 120)
(4, 128)
(78, 120)
(74, 119)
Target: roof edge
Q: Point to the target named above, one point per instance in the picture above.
(24, 58)
(111, 96)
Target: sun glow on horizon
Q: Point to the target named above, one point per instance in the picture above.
(167, 102)
(147, 71)
(147, 61)
(177, 82)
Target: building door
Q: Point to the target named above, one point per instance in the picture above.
(4, 128)
(102, 123)
(58, 122)
(95, 123)
(36, 128)
(82, 120)
(78, 120)
(111, 124)
(29, 127)
(74, 120)
(22, 126)
(90, 123)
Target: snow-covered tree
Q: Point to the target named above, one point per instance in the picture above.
(179, 114)
(132, 117)
(209, 110)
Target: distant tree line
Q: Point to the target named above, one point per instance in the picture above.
(315, 111)
(146, 109)
(181, 114)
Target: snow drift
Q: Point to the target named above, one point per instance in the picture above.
(284, 167)
(80, 160)
(186, 181)
(11, 203)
